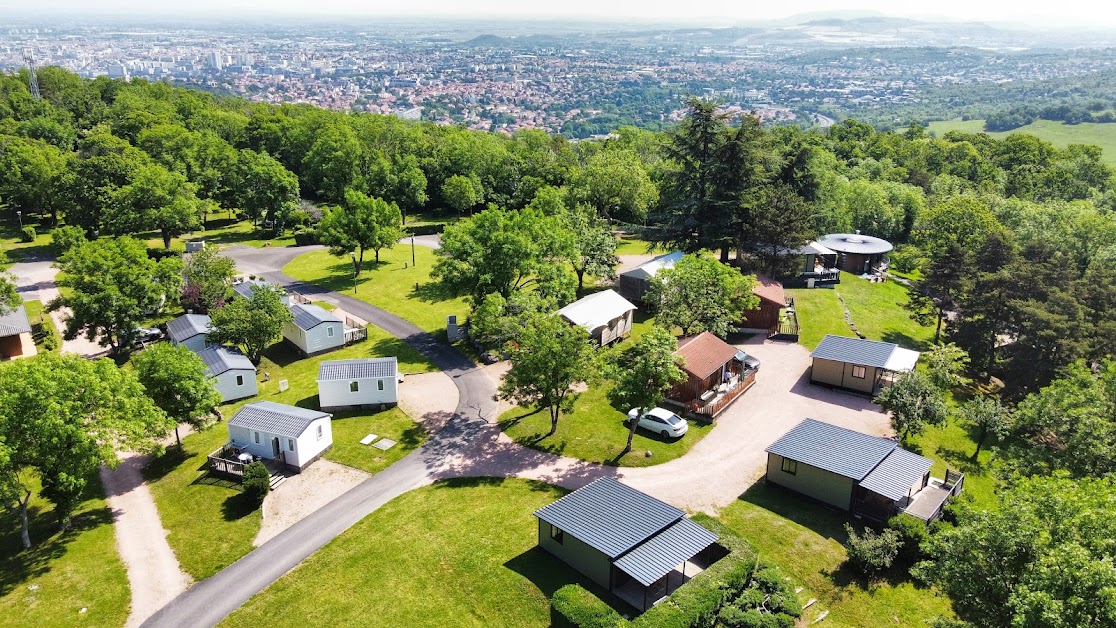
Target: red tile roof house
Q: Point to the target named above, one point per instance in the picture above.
(715, 375)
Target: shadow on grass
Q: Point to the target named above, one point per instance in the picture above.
(282, 354)
(515, 420)
(549, 574)
(238, 506)
(431, 292)
(904, 340)
(171, 459)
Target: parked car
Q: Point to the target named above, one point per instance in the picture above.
(147, 334)
(751, 362)
(660, 421)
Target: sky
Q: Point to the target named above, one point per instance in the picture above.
(1098, 14)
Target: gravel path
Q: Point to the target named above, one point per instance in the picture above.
(300, 495)
(153, 571)
(35, 282)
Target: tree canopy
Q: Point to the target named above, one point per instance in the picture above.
(700, 294)
(254, 323)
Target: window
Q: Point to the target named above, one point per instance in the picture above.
(379, 384)
(256, 436)
(319, 432)
(329, 332)
(858, 372)
(290, 444)
(557, 534)
(790, 466)
(239, 380)
(354, 386)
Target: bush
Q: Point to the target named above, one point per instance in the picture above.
(870, 553)
(28, 234)
(257, 481)
(912, 533)
(299, 218)
(65, 238)
(579, 607)
(157, 254)
(305, 237)
(426, 229)
(906, 258)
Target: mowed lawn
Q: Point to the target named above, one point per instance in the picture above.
(394, 285)
(70, 579)
(595, 431)
(805, 539)
(877, 309)
(458, 553)
(1059, 134)
(209, 524)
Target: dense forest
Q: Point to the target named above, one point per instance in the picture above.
(1008, 244)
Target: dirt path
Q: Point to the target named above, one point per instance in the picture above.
(35, 282)
(153, 572)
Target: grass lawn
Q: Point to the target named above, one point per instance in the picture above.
(1059, 134)
(458, 553)
(12, 244)
(595, 431)
(394, 285)
(62, 574)
(805, 539)
(43, 325)
(819, 314)
(631, 245)
(210, 525)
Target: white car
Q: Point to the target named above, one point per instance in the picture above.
(660, 421)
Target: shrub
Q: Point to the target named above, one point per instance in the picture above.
(65, 238)
(28, 234)
(305, 237)
(299, 219)
(257, 481)
(157, 254)
(426, 229)
(912, 534)
(870, 553)
(906, 258)
(579, 607)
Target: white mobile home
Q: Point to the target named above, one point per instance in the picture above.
(606, 314)
(234, 373)
(314, 330)
(247, 287)
(288, 435)
(189, 330)
(361, 382)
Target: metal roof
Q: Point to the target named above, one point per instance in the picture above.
(650, 268)
(597, 309)
(221, 359)
(362, 368)
(307, 317)
(15, 322)
(813, 248)
(666, 550)
(894, 477)
(187, 326)
(902, 360)
(832, 448)
(855, 243)
(863, 352)
(246, 288)
(609, 516)
(278, 419)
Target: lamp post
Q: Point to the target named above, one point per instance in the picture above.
(355, 270)
(413, 250)
(19, 215)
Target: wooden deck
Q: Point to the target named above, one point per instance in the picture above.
(724, 397)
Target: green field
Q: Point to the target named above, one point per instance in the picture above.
(459, 553)
(1059, 134)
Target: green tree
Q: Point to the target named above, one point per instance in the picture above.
(594, 245)
(254, 323)
(61, 417)
(331, 165)
(781, 221)
(257, 482)
(872, 552)
(913, 403)
(156, 199)
(65, 238)
(642, 373)
(34, 176)
(700, 294)
(208, 276)
(178, 381)
(265, 190)
(111, 286)
(1042, 558)
(363, 223)
(945, 365)
(615, 183)
(988, 416)
(550, 360)
(462, 193)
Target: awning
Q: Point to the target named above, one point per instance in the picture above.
(660, 554)
(901, 360)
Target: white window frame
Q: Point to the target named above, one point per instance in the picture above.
(290, 444)
(792, 468)
(863, 370)
(379, 384)
(319, 431)
(329, 331)
(354, 386)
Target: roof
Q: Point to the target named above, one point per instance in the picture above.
(768, 289)
(609, 516)
(898, 472)
(884, 355)
(362, 368)
(188, 326)
(704, 354)
(814, 248)
(245, 288)
(650, 268)
(832, 448)
(15, 322)
(276, 418)
(597, 309)
(665, 551)
(307, 317)
(855, 243)
(221, 359)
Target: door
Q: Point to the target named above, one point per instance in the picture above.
(275, 448)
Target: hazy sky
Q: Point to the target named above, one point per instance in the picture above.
(1095, 13)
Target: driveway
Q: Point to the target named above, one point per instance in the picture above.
(35, 282)
(731, 457)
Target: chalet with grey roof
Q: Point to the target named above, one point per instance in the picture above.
(286, 436)
(869, 476)
(630, 543)
(313, 329)
(233, 373)
(859, 365)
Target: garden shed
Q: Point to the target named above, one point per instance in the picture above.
(189, 330)
(16, 340)
(605, 314)
(358, 382)
(635, 282)
(234, 373)
(857, 364)
(772, 300)
(288, 435)
(313, 329)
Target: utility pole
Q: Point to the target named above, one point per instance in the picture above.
(32, 78)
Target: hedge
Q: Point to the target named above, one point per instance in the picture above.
(573, 605)
(429, 228)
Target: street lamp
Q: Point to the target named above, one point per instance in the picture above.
(413, 250)
(19, 215)
(356, 269)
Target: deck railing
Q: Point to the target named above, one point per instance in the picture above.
(787, 329)
(717, 404)
(224, 461)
